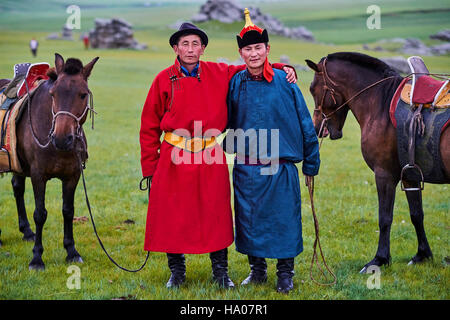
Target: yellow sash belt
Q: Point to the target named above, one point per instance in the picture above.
(195, 144)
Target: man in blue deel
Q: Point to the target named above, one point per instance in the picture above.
(270, 130)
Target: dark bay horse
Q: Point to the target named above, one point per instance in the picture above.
(338, 78)
(51, 144)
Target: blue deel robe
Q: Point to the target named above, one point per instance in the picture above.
(268, 206)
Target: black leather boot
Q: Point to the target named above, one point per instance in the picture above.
(285, 273)
(258, 271)
(219, 262)
(177, 268)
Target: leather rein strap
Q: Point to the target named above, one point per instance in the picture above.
(315, 257)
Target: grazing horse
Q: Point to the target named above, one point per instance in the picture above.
(346, 81)
(51, 144)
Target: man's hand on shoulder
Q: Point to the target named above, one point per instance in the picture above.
(291, 75)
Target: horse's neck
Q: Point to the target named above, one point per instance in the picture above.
(41, 112)
(374, 102)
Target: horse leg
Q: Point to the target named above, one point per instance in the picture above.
(386, 185)
(40, 216)
(416, 213)
(18, 184)
(69, 187)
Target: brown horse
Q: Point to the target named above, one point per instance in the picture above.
(51, 144)
(338, 80)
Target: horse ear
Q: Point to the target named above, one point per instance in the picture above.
(59, 63)
(312, 65)
(88, 68)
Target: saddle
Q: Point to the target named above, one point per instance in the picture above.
(420, 111)
(424, 89)
(27, 78)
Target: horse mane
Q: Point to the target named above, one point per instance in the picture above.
(51, 73)
(71, 67)
(364, 61)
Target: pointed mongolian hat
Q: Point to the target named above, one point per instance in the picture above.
(251, 33)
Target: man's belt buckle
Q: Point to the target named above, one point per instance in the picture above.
(195, 144)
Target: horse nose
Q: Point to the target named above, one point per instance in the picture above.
(65, 143)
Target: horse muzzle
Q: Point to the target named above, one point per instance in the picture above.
(65, 143)
(335, 134)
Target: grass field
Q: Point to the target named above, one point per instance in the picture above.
(345, 195)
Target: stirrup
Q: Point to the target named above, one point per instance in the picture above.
(412, 167)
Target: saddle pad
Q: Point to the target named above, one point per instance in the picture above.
(9, 160)
(435, 97)
(427, 148)
(8, 157)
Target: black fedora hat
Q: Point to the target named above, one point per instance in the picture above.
(188, 28)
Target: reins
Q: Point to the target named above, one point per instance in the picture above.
(95, 228)
(82, 167)
(317, 242)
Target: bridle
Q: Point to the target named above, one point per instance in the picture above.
(326, 88)
(326, 78)
(79, 133)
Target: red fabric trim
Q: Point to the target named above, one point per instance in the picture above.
(35, 73)
(245, 30)
(7, 145)
(445, 126)
(268, 71)
(394, 101)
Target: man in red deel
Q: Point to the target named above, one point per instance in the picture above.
(189, 209)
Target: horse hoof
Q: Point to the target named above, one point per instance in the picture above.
(29, 237)
(370, 269)
(36, 266)
(76, 259)
(417, 259)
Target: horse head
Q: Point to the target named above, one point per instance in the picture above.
(70, 100)
(329, 112)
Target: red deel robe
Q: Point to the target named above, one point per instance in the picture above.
(189, 207)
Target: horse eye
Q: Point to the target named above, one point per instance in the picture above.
(83, 95)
